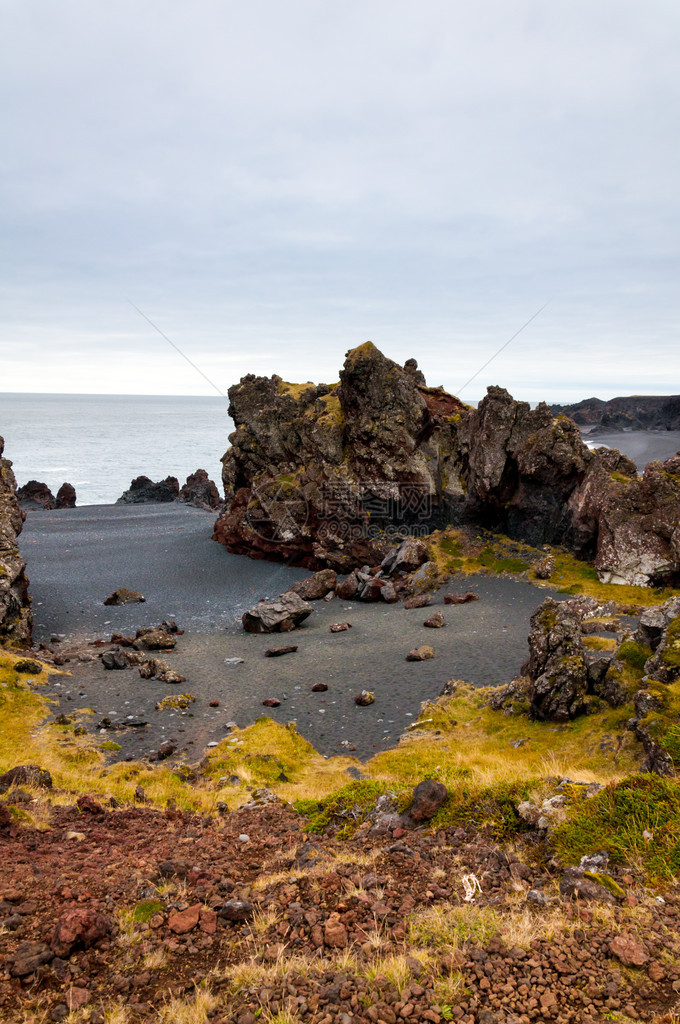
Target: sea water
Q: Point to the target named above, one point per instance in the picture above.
(99, 443)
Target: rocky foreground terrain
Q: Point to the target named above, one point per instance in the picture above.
(137, 915)
(324, 475)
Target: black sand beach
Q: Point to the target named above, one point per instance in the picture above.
(77, 557)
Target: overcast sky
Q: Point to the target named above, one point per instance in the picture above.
(275, 181)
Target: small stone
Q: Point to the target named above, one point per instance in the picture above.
(364, 698)
(77, 997)
(419, 601)
(233, 661)
(340, 627)
(182, 921)
(629, 951)
(335, 933)
(319, 688)
(114, 660)
(423, 653)
(276, 652)
(214, 704)
(465, 598)
(271, 702)
(88, 805)
(166, 749)
(435, 621)
(236, 910)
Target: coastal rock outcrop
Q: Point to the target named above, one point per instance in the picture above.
(334, 475)
(143, 489)
(66, 496)
(635, 412)
(35, 495)
(200, 491)
(16, 617)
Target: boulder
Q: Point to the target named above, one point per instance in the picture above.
(408, 557)
(26, 775)
(317, 586)
(280, 616)
(66, 496)
(423, 653)
(465, 598)
(35, 495)
(16, 617)
(419, 601)
(557, 666)
(28, 957)
(200, 491)
(155, 638)
(142, 490)
(428, 797)
(79, 928)
(347, 589)
(364, 699)
(124, 596)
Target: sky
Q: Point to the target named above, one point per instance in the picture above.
(274, 183)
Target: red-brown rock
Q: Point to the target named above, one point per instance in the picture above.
(182, 921)
(81, 927)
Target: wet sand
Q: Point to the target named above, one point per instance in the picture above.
(77, 557)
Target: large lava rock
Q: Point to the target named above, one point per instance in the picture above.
(321, 475)
(557, 665)
(280, 616)
(16, 618)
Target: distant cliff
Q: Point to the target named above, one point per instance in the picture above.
(636, 412)
(15, 605)
(327, 475)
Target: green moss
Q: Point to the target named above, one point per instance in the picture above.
(493, 808)
(451, 545)
(490, 560)
(109, 745)
(671, 654)
(634, 654)
(607, 882)
(145, 910)
(616, 820)
(671, 743)
(348, 808)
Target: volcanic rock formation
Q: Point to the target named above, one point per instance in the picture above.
(321, 475)
(15, 605)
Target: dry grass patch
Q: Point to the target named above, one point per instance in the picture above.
(197, 1009)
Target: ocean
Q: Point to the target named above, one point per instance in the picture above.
(99, 443)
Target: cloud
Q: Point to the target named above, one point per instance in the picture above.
(275, 183)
